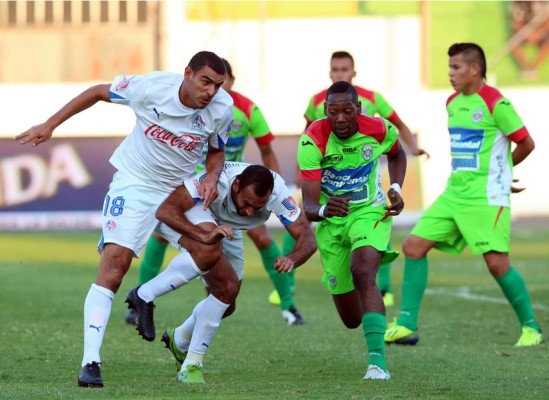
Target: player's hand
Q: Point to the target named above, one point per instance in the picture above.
(420, 152)
(337, 207)
(515, 189)
(397, 203)
(208, 190)
(218, 234)
(284, 264)
(35, 135)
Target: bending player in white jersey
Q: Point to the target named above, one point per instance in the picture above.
(248, 194)
(176, 116)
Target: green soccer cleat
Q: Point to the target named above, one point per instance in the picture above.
(529, 337)
(191, 374)
(167, 338)
(400, 334)
(274, 298)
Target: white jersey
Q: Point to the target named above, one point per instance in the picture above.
(223, 209)
(167, 141)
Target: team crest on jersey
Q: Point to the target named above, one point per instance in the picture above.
(198, 123)
(124, 83)
(332, 280)
(477, 116)
(237, 125)
(367, 151)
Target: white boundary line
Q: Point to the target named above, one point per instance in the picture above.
(464, 293)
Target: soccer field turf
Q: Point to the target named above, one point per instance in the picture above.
(466, 349)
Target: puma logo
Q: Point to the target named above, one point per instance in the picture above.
(95, 327)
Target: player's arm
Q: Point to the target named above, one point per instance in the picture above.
(523, 149)
(304, 248)
(396, 164)
(40, 133)
(215, 158)
(408, 137)
(172, 212)
(336, 206)
(386, 111)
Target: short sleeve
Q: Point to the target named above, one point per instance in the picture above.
(383, 108)
(390, 139)
(193, 183)
(126, 89)
(310, 112)
(506, 118)
(309, 158)
(285, 207)
(218, 138)
(258, 124)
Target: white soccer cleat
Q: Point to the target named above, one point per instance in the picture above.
(374, 372)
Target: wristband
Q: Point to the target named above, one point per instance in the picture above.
(321, 211)
(395, 186)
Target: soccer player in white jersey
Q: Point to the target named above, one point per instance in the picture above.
(247, 195)
(176, 116)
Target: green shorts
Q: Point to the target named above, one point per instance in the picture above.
(453, 226)
(338, 238)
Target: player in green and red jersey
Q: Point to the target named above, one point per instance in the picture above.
(341, 184)
(342, 68)
(248, 120)
(474, 208)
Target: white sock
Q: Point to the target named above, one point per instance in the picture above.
(180, 271)
(184, 333)
(97, 309)
(208, 319)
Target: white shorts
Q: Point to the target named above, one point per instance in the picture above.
(232, 249)
(129, 212)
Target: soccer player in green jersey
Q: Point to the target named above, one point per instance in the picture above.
(342, 68)
(474, 208)
(248, 120)
(341, 185)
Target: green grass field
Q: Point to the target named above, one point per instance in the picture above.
(466, 349)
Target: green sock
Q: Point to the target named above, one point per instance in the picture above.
(514, 289)
(152, 260)
(281, 282)
(373, 325)
(288, 243)
(413, 289)
(384, 276)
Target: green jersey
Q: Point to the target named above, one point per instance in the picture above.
(248, 120)
(482, 126)
(372, 103)
(347, 167)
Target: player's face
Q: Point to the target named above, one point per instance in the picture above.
(341, 69)
(342, 112)
(200, 87)
(247, 202)
(463, 75)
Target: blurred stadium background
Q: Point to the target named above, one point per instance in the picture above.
(52, 50)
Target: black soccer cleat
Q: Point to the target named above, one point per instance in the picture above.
(293, 317)
(131, 318)
(145, 314)
(90, 376)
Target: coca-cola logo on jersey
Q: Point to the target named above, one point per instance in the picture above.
(186, 142)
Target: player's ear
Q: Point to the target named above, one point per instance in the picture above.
(188, 73)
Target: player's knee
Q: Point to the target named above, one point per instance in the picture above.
(412, 248)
